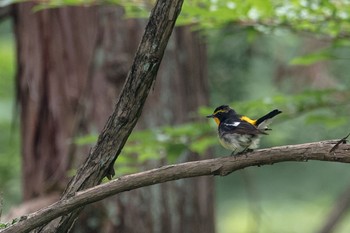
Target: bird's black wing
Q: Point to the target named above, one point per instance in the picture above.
(239, 127)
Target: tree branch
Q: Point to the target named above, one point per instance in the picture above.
(219, 166)
(128, 108)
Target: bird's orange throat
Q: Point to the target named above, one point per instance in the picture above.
(217, 121)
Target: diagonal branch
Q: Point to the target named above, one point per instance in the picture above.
(219, 166)
(128, 108)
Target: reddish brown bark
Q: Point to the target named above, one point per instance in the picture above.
(55, 53)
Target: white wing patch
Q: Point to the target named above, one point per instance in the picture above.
(264, 125)
(234, 124)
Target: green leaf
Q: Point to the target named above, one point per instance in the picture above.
(312, 58)
(327, 120)
(201, 145)
(86, 139)
(174, 151)
(123, 170)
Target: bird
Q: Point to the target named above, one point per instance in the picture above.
(239, 133)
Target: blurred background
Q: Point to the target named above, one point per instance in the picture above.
(63, 64)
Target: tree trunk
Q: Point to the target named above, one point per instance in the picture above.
(54, 55)
(72, 63)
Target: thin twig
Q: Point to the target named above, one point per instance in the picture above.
(341, 141)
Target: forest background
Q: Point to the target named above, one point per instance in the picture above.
(291, 55)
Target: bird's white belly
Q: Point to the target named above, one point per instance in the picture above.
(239, 143)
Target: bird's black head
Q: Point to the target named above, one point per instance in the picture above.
(221, 113)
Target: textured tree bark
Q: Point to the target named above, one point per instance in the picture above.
(53, 73)
(220, 166)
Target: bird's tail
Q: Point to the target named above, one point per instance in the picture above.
(264, 121)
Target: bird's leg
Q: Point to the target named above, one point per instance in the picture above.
(246, 150)
(233, 153)
(243, 152)
(240, 153)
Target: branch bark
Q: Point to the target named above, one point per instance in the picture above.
(219, 166)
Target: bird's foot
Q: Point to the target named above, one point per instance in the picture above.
(245, 152)
(233, 153)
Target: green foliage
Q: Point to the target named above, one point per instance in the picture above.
(292, 105)
(171, 142)
(210, 14)
(88, 139)
(167, 142)
(9, 136)
(328, 17)
(311, 58)
(294, 196)
(7, 61)
(246, 79)
(4, 225)
(325, 17)
(326, 53)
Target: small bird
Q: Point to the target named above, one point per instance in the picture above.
(240, 133)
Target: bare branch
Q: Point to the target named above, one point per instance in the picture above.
(219, 166)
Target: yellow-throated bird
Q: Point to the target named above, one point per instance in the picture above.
(240, 133)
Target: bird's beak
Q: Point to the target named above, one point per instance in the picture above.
(210, 116)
